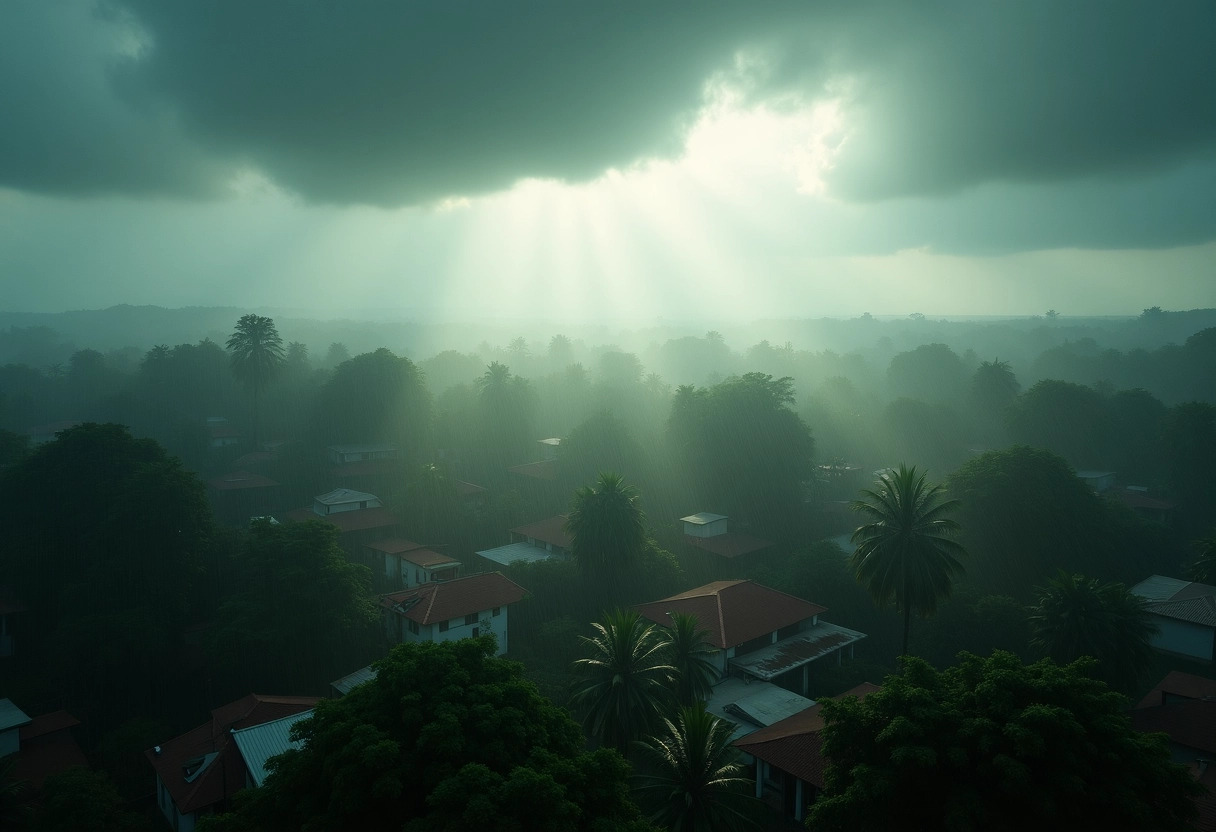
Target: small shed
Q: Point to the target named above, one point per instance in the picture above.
(704, 524)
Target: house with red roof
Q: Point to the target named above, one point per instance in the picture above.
(43, 745)
(198, 772)
(759, 633)
(405, 564)
(239, 495)
(467, 607)
(710, 533)
(789, 764)
(360, 517)
(1183, 707)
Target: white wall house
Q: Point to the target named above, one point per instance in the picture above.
(704, 524)
(408, 564)
(343, 499)
(1099, 481)
(467, 607)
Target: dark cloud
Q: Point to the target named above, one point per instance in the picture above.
(390, 102)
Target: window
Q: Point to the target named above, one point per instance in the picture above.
(413, 627)
(470, 619)
(443, 626)
(496, 611)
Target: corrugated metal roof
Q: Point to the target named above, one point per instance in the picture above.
(344, 495)
(553, 441)
(753, 705)
(515, 553)
(1195, 610)
(11, 716)
(261, 742)
(1159, 588)
(352, 680)
(702, 518)
(797, 650)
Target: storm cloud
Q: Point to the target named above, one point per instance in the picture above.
(389, 103)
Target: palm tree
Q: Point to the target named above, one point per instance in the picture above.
(906, 553)
(257, 354)
(1078, 616)
(1203, 569)
(691, 657)
(625, 681)
(606, 524)
(691, 779)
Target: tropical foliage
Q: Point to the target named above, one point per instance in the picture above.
(692, 658)
(994, 744)
(690, 778)
(606, 524)
(257, 355)
(906, 554)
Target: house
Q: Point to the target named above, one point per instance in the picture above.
(370, 452)
(1098, 481)
(1185, 615)
(1179, 687)
(198, 772)
(750, 705)
(789, 764)
(221, 433)
(258, 743)
(1136, 498)
(43, 745)
(708, 531)
(1183, 707)
(408, 564)
(549, 447)
(759, 633)
(360, 517)
(541, 540)
(239, 495)
(450, 610)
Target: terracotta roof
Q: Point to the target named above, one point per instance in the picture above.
(1191, 723)
(551, 530)
(1206, 803)
(224, 775)
(239, 480)
(734, 611)
(443, 601)
(348, 521)
(794, 744)
(426, 558)
(1180, 685)
(393, 545)
(48, 747)
(546, 469)
(729, 545)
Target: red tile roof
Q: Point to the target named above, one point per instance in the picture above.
(734, 611)
(393, 545)
(1180, 685)
(443, 601)
(47, 747)
(1191, 723)
(1206, 803)
(427, 558)
(239, 480)
(546, 469)
(794, 744)
(551, 530)
(729, 545)
(225, 775)
(349, 521)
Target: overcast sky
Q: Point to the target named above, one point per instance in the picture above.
(626, 160)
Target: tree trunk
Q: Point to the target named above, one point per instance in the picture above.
(907, 628)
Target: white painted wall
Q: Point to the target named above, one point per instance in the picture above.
(486, 623)
(713, 529)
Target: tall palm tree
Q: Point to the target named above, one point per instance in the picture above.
(257, 354)
(1078, 616)
(906, 554)
(691, 656)
(606, 524)
(1203, 568)
(691, 779)
(625, 681)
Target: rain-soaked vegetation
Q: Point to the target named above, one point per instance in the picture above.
(995, 487)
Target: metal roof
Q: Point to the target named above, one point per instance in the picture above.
(1093, 475)
(261, 742)
(516, 553)
(344, 495)
(11, 716)
(797, 650)
(752, 705)
(1159, 588)
(702, 518)
(352, 680)
(362, 449)
(554, 441)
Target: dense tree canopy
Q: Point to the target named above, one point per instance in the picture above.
(931, 372)
(444, 737)
(606, 524)
(996, 745)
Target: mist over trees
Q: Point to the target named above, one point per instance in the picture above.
(150, 597)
